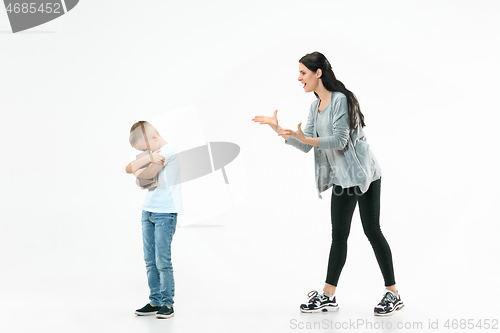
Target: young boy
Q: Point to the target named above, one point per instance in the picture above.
(159, 215)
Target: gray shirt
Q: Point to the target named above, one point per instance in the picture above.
(343, 157)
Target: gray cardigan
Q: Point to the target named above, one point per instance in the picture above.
(343, 157)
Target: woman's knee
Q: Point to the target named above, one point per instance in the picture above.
(340, 235)
(373, 233)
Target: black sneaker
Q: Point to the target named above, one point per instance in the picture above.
(147, 310)
(165, 312)
(389, 303)
(319, 303)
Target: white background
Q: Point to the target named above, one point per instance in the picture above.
(426, 76)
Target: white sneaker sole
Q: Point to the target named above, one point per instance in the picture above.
(325, 309)
(398, 308)
(165, 316)
(145, 313)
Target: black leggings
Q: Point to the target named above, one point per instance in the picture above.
(343, 204)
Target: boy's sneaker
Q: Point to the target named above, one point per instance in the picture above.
(319, 303)
(389, 303)
(165, 312)
(147, 310)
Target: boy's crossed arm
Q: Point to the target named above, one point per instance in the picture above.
(149, 171)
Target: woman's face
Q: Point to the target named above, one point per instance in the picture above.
(308, 78)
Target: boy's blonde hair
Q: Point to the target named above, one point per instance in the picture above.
(136, 134)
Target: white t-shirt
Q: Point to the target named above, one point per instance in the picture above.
(166, 197)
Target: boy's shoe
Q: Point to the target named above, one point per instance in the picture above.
(147, 310)
(165, 312)
(389, 303)
(319, 303)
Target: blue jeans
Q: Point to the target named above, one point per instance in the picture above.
(157, 232)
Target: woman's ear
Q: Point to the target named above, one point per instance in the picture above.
(319, 72)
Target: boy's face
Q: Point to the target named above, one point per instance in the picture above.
(153, 144)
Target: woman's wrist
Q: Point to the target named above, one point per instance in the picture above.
(274, 127)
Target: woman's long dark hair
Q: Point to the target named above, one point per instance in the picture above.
(317, 60)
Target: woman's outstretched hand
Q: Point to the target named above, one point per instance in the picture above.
(272, 121)
(299, 135)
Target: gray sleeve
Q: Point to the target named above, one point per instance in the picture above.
(308, 131)
(340, 127)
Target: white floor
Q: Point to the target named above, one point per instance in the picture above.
(248, 275)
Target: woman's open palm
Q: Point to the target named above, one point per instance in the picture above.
(273, 120)
(298, 134)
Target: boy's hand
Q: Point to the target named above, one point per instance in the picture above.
(157, 158)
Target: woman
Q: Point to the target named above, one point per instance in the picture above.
(343, 161)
